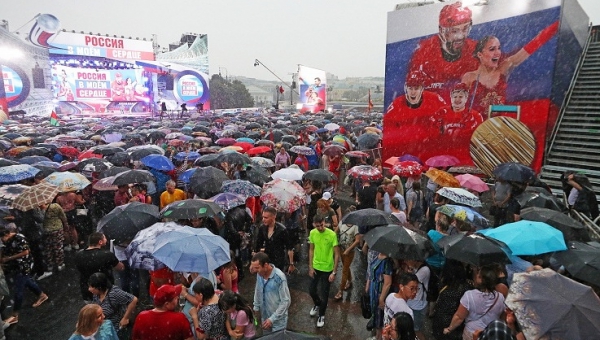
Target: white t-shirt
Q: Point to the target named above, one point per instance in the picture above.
(395, 305)
(420, 300)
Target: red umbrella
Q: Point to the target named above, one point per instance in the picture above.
(88, 154)
(442, 161)
(365, 172)
(311, 128)
(392, 161)
(257, 150)
(407, 169)
(244, 145)
(67, 166)
(68, 151)
(357, 154)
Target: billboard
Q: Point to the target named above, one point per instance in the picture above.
(443, 74)
(78, 44)
(313, 89)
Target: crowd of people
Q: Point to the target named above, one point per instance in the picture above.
(461, 300)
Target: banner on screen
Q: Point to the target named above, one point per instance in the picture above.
(313, 89)
(78, 44)
(444, 73)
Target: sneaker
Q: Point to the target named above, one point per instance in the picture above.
(45, 275)
(75, 247)
(321, 321)
(314, 311)
(61, 267)
(67, 248)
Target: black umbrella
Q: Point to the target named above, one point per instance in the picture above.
(538, 197)
(206, 182)
(275, 135)
(190, 208)
(155, 135)
(366, 218)
(124, 221)
(51, 147)
(399, 243)
(133, 176)
(107, 150)
(113, 171)
(320, 175)
(119, 158)
(136, 155)
(251, 126)
(514, 172)
(234, 158)
(474, 249)
(207, 160)
(368, 141)
(289, 138)
(254, 135)
(93, 165)
(571, 228)
(7, 162)
(45, 171)
(257, 175)
(582, 261)
(35, 151)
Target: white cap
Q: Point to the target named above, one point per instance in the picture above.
(326, 195)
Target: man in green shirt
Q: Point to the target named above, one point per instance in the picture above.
(323, 258)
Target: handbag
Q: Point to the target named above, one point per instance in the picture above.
(81, 211)
(365, 306)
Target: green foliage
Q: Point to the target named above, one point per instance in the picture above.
(226, 94)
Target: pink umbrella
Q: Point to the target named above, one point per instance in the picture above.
(442, 161)
(472, 182)
(225, 141)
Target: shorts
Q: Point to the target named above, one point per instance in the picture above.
(419, 318)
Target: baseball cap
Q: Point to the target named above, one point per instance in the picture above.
(166, 293)
(326, 195)
(454, 14)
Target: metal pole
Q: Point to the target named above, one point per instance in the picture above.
(258, 62)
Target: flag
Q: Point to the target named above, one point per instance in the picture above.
(281, 90)
(370, 106)
(54, 119)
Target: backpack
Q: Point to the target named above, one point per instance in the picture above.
(416, 213)
(432, 290)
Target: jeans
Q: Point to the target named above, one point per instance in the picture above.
(320, 298)
(346, 272)
(129, 279)
(21, 281)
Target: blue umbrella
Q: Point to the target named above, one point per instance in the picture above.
(139, 251)
(245, 139)
(528, 237)
(227, 200)
(158, 162)
(185, 176)
(191, 250)
(321, 130)
(15, 173)
(190, 156)
(34, 159)
(50, 164)
(466, 214)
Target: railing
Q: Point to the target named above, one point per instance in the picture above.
(567, 98)
(595, 34)
(590, 224)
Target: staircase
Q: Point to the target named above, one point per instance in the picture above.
(576, 141)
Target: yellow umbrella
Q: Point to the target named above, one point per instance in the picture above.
(442, 178)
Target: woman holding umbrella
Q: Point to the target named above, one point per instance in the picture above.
(480, 306)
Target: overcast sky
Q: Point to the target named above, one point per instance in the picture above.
(346, 38)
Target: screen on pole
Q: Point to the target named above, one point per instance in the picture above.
(313, 89)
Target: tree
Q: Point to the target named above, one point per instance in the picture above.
(226, 94)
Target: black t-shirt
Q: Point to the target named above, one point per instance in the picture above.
(367, 196)
(90, 261)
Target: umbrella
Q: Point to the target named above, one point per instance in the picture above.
(582, 261)
(35, 151)
(36, 195)
(245, 139)
(538, 197)
(265, 142)
(548, 305)
(158, 162)
(290, 174)
(9, 192)
(334, 150)
(106, 150)
(474, 249)
(105, 184)
(409, 157)
(113, 171)
(138, 154)
(34, 159)
(88, 154)
(367, 218)
(68, 181)
(67, 166)
(139, 251)
(514, 172)
(466, 214)
(46, 164)
(234, 158)
(207, 160)
(368, 141)
(289, 138)
(460, 196)
(320, 175)
(302, 150)
(132, 176)
(407, 169)
(112, 137)
(257, 150)
(185, 176)
(474, 183)
(572, 230)
(241, 187)
(442, 161)
(6, 162)
(465, 169)
(187, 156)
(528, 237)
(225, 141)
(125, 221)
(206, 182)
(244, 145)
(442, 178)
(365, 172)
(275, 135)
(93, 165)
(190, 208)
(257, 175)
(331, 126)
(173, 135)
(191, 250)
(227, 200)
(119, 158)
(285, 196)
(399, 243)
(262, 162)
(16, 173)
(356, 154)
